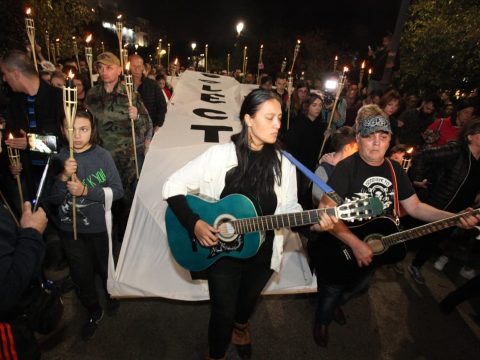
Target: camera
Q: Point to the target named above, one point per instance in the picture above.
(42, 143)
(328, 98)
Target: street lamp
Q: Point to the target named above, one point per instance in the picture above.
(240, 27)
(193, 45)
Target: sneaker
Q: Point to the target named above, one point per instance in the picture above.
(90, 327)
(467, 272)
(441, 262)
(416, 274)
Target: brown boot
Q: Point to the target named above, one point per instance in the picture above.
(242, 341)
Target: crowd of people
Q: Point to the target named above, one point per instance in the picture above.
(360, 144)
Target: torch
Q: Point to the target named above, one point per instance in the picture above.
(228, 64)
(295, 54)
(260, 64)
(206, 58)
(369, 74)
(129, 88)
(30, 26)
(168, 56)
(173, 70)
(75, 51)
(14, 157)
(289, 92)
(125, 56)
(119, 29)
(244, 67)
(47, 45)
(52, 51)
(335, 62)
(160, 51)
(284, 65)
(360, 81)
(89, 57)
(102, 46)
(70, 108)
(57, 47)
(340, 85)
(407, 159)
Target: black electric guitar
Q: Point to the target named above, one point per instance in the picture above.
(382, 235)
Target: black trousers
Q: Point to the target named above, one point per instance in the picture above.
(87, 256)
(235, 286)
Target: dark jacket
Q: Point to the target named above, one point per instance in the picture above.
(21, 256)
(152, 97)
(446, 168)
(48, 111)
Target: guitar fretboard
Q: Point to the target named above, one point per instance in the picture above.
(270, 222)
(423, 230)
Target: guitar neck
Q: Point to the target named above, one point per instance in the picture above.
(271, 222)
(423, 230)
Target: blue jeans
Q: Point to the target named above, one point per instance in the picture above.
(330, 296)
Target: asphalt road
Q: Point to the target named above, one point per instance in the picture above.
(396, 319)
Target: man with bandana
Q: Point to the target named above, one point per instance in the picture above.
(365, 173)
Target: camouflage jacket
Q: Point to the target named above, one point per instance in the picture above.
(114, 126)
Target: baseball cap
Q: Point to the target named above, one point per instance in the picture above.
(107, 58)
(373, 124)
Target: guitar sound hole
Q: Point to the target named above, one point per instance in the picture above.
(226, 229)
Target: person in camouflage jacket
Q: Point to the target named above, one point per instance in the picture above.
(108, 101)
(112, 113)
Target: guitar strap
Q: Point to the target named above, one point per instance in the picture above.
(314, 178)
(396, 202)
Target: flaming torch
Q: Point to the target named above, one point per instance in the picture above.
(119, 29)
(30, 26)
(14, 157)
(360, 81)
(289, 92)
(75, 51)
(407, 159)
(260, 64)
(89, 57)
(244, 66)
(47, 45)
(295, 54)
(70, 108)
(335, 62)
(129, 88)
(168, 56)
(284, 65)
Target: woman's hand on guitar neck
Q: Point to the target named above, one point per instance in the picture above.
(363, 253)
(206, 234)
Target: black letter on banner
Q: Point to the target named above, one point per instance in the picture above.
(213, 98)
(203, 113)
(211, 132)
(209, 81)
(209, 88)
(211, 75)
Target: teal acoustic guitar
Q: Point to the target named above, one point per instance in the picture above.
(240, 229)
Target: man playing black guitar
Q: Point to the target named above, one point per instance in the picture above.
(367, 172)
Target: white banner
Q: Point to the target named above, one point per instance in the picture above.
(203, 111)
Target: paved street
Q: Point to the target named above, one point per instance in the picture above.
(396, 320)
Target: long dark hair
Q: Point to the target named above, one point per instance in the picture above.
(268, 168)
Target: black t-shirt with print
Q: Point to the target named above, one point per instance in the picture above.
(353, 176)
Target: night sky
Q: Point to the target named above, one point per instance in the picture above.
(352, 24)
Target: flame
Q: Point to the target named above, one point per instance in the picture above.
(345, 69)
(261, 46)
(119, 17)
(409, 151)
(298, 41)
(127, 66)
(176, 61)
(369, 71)
(88, 39)
(73, 37)
(168, 44)
(71, 75)
(336, 57)
(57, 40)
(10, 137)
(363, 64)
(206, 45)
(29, 11)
